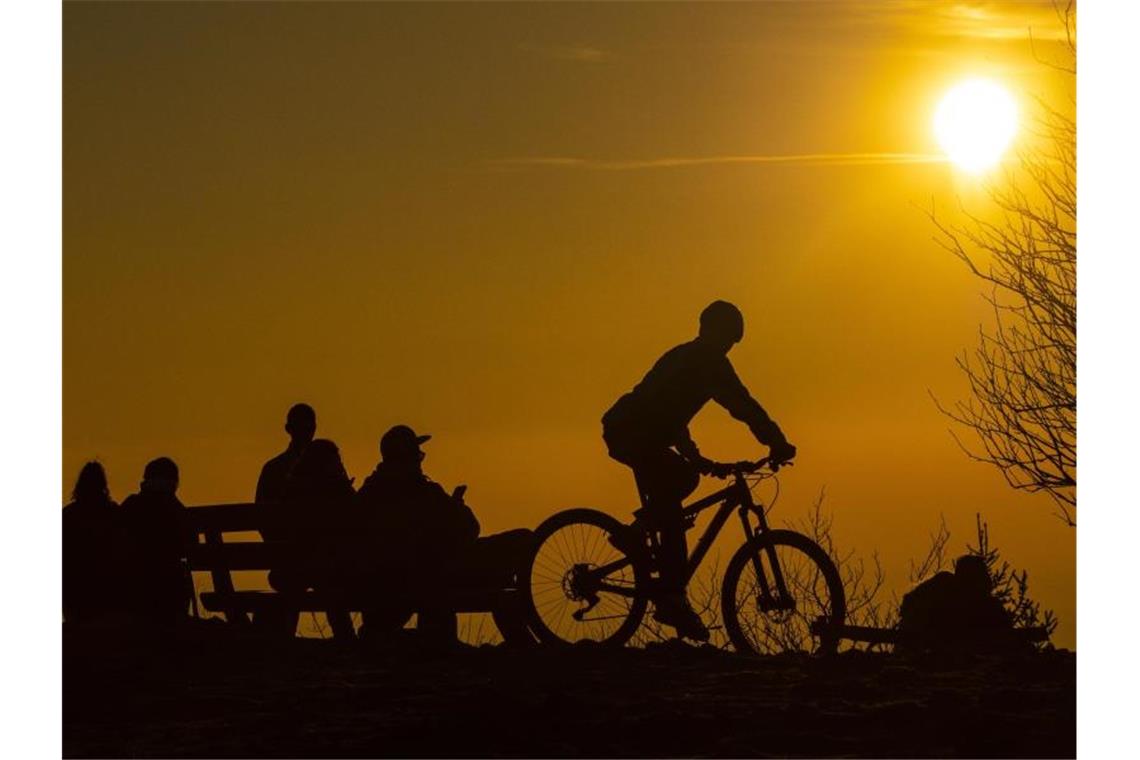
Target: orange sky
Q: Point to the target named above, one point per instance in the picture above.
(370, 207)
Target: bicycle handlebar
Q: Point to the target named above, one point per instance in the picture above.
(722, 470)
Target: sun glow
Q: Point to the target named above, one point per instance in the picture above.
(975, 123)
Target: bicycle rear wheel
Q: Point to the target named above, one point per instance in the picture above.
(761, 618)
(579, 586)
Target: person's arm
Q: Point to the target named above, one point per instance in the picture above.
(459, 517)
(466, 517)
(261, 494)
(686, 446)
(735, 398)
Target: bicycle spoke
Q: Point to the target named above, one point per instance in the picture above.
(577, 568)
(772, 622)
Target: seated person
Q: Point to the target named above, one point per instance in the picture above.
(430, 538)
(956, 611)
(314, 520)
(157, 538)
(92, 548)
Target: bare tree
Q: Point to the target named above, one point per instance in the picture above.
(935, 558)
(1022, 373)
(1011, 588)
(863, 579)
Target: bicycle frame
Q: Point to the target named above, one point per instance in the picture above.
(735, 497)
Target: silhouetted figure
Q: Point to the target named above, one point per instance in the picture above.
(314, 519)
(157, 538)
(647, 429)
(428, 537)
(956, 612)
(92, 548)
(301, 425)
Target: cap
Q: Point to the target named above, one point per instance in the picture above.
(399, 441)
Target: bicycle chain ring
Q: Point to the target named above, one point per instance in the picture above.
(572, 583)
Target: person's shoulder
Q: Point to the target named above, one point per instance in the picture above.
(688, 348)
(684, 354)
(278, 462)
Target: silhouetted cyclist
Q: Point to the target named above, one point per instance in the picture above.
(647, 429)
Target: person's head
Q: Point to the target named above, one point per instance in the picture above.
(722, 325)
(400, 448)
(160, 476)
(971, 570)
(91, 485)
(301, 423)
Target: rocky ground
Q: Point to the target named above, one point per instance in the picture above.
(209, 692)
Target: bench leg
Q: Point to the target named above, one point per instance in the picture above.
(278, 623)
(511, 621)
(341, 623)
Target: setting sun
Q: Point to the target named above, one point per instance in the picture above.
(975, 123)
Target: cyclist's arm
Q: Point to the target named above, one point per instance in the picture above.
(731, 393)
(687, 447)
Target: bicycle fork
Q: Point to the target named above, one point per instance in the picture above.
(766, 601)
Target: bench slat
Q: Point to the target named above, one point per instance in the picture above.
(226, 518)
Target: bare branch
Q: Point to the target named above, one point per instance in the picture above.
(1022, 373)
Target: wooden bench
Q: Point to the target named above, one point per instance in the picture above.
(220, 558)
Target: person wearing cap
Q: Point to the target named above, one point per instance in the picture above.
(647, 430)
(412, 506)
(156, 545)
(430, 536)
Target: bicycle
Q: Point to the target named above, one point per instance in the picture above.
(591, 578)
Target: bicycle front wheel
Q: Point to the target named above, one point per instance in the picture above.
(782, 593)
(580, 586)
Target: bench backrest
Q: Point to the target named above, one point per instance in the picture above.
(211, 523)
(212, 553)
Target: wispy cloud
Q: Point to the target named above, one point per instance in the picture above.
(573, 53)
(801, 159)
(986, 20)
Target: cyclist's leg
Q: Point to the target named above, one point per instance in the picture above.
(667, 479)
(663, 479)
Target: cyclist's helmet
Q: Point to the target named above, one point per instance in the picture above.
(722, 321)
